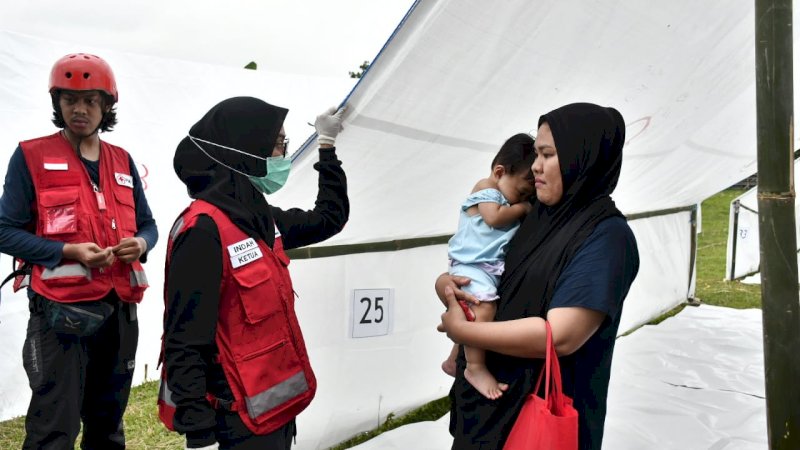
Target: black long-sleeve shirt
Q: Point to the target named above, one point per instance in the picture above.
(193, 285)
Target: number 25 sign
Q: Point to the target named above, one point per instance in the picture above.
(372, 312)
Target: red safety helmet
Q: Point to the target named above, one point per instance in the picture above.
(83, 72)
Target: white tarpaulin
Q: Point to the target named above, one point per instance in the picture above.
(743, 255)
(694, 381)
(453, 82)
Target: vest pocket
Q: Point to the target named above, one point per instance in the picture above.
(68, 274)
(273, 380)
(59, 211)
(258, 291)
(126, 210)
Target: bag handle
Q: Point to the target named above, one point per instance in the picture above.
(551, 368)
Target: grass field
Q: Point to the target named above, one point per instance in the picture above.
(711, 248)
(145, 432)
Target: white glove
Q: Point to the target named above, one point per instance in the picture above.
(214, 446)
(328, 125)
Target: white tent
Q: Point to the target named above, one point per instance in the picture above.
(743, 257)
(454, 80)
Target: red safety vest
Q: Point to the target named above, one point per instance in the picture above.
(68, 209)
(261, 347)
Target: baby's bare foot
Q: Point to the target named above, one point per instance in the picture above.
(481, 379)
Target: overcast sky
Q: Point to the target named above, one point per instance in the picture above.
(314, 37)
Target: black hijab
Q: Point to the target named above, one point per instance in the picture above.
(589, 140)
(246, 124)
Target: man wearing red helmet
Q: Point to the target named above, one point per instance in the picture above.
(73, 208)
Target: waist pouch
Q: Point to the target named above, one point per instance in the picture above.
(78, 319)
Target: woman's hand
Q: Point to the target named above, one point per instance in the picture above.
(454, 318)
(446, 280)
(328, 126)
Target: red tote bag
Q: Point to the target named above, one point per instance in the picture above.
(549, 423)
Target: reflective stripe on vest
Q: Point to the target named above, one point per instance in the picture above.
(67, 270)
(176, 229)
(276, 395)
(138, 278)
(165, 394)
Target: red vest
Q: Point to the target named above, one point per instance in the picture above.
(261, 347)
(69, 210)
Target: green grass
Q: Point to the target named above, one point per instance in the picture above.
(429, 411)
(711, 286)
(145, 432)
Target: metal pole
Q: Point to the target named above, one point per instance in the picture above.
(735, 238)
(779, 288)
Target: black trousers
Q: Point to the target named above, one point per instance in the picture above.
(76, 379)
(232, 434)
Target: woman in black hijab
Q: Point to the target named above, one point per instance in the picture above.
(228, 292)
(571, 262)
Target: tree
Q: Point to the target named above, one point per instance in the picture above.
(251, 65)
(364, 66)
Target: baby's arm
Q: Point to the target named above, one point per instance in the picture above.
(496, 215)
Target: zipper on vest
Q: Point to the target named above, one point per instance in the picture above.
(98, 195)
(291, 323)
(268, 349)
(101, 206)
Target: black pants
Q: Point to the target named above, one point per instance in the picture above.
(76, 379)
(232, 434)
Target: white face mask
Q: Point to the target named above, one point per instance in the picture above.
(278, 167)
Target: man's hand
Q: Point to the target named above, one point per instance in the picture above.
(89, 254)
(130, 249)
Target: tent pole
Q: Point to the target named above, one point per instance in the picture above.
(779, 288)
(735, 238)
(692, 256)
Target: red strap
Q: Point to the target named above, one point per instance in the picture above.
(550, 359)
(228, 405)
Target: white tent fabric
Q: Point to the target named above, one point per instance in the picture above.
(743, 257)
(695, 381)
(455, 80)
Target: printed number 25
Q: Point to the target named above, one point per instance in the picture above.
(378, 308)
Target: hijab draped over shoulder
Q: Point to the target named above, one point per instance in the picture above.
(588, 140)
(246, 124)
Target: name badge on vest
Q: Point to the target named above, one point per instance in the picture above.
(124, 180)
(244, 252)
